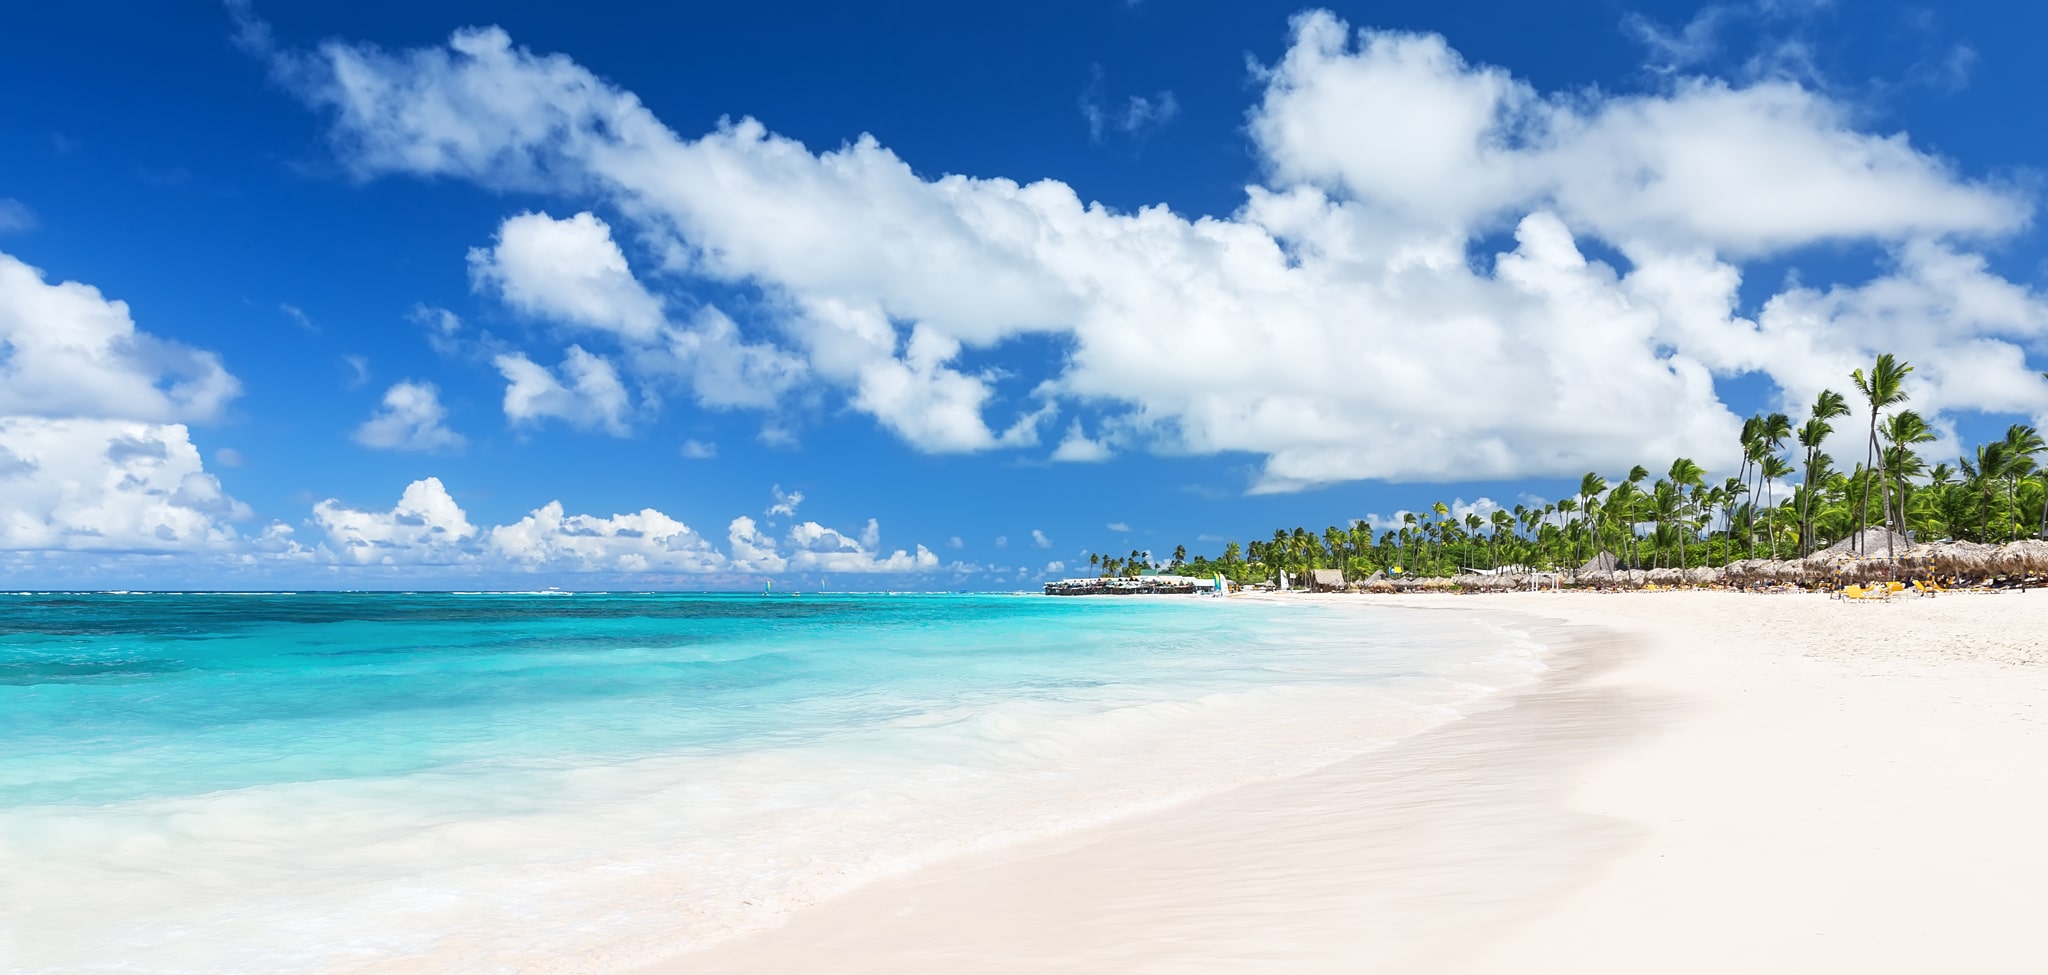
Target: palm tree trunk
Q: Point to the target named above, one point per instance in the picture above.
(1771, 518)
(1863, 512)
(1885, 486)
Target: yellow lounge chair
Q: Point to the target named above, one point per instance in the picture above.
(1925, 588)
(1853, 591)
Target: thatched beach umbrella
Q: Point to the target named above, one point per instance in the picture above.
(1604, 562)
(1827, 566)
(1379, 583)
(1960, 558)
(1705, 575)
(1664, 577)
(2026, 556)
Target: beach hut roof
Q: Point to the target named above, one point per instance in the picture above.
(2025, 555)
(1604, 562)
(1958, 556)
(1874, 543)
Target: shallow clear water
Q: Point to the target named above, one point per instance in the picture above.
(319, 782)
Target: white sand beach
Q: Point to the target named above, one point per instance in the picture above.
(1705, 782)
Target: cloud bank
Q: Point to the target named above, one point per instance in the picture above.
(97, 461)
(1343, 323)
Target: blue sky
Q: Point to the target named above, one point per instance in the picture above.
(1311, 327)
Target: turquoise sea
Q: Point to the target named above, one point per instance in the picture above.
(274, 783)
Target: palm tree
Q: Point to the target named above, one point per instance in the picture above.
(1899, 463)
(1884, 387)
(1829, 405)
(1751, 441)
(1591, 486)
(1667, 503)
(1442, 511)
(1774, 468)
(1981, 472)
(1502, 522)
(2041, 474)
(1732, 490)
(2022, 442)
(1684, 473)
(1771, 434)
(1636, 476)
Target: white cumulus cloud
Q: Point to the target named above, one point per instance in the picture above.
(621, 543)
(427, 526)
(785, 504)
(410, 418)
(95, 451)
(569, 270)
(110, 486)
(585, 392)
(68, 351)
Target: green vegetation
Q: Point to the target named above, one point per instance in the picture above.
(1683, 519)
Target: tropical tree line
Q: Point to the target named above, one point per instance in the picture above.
(1787, 498)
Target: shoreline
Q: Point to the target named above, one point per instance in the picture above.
(1685, 791)
(1173, 865)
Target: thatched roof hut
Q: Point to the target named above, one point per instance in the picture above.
(1326, 580)
(1874, 543)
(1604, 562)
